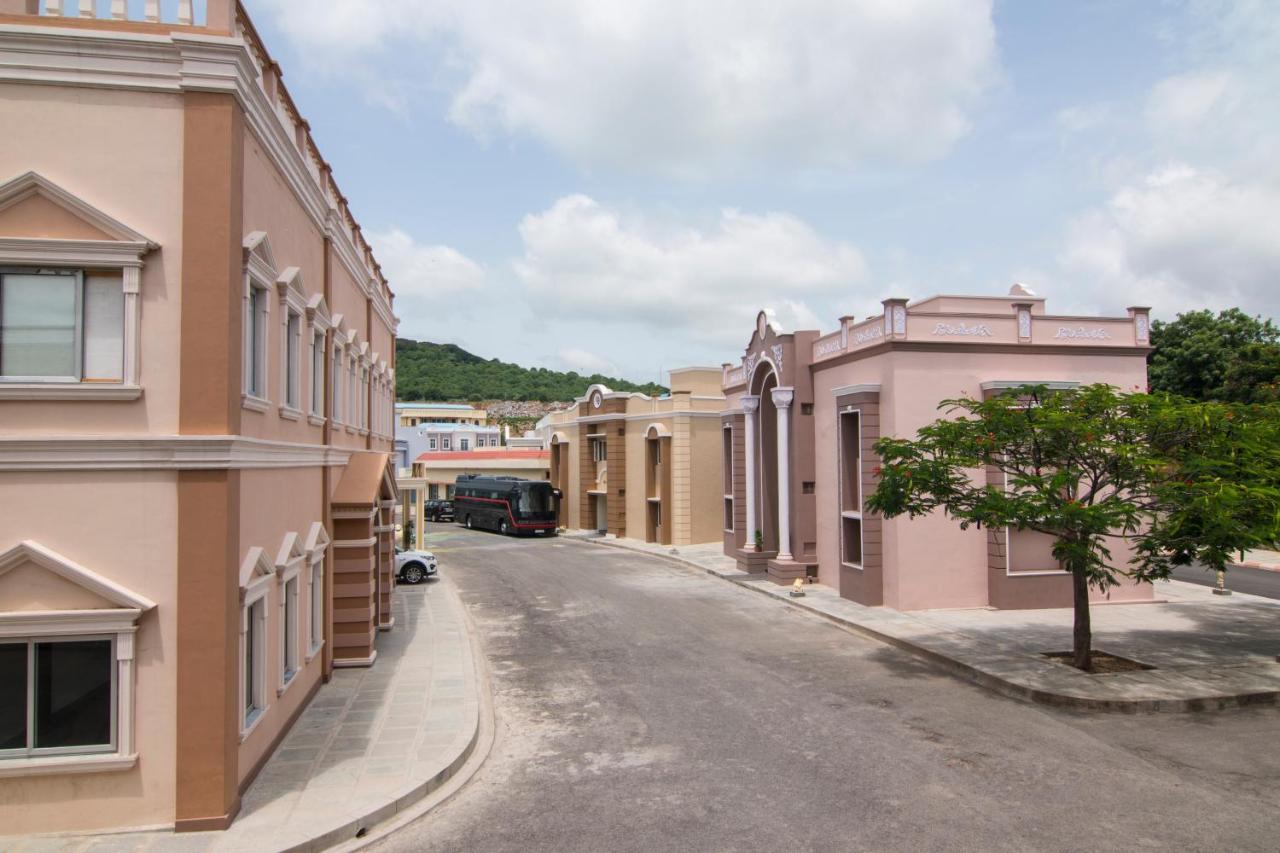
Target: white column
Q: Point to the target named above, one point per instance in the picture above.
(750, 405)
(124, 689)
(782, 398)
(132, 280)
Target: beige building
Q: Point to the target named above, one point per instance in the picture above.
(196, 388)
(415, 414)
(642, 467)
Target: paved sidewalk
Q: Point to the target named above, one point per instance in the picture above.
(1266, 560)
(372, 742)
(1209, 651)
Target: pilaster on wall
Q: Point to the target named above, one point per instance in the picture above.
(208, 599)
(586, 478)
(681, 469)
(616, 451)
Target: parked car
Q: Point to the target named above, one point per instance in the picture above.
(438, 510)
(413, 567)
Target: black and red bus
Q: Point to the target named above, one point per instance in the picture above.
(510, 505)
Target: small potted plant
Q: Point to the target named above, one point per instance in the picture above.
(759, 541)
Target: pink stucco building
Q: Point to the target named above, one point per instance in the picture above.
(804, 410)
(196, 416)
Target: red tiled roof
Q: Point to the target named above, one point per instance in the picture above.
(482, 455)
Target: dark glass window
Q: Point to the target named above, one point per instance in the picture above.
(73, 693)
(13, 696)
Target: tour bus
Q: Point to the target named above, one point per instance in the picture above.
(510, 505)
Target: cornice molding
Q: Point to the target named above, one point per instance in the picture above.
(162, 453)
(174, 63)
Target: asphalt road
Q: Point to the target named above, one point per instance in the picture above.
(645, 706)
(1240, 579)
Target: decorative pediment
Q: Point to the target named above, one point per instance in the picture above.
(255, 568)
(317, 540)
(290, 553)
(33, 207)
(318, 312)
(289, 285)
(259, 260)
(36, 578)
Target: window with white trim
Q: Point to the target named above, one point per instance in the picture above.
(289, 628)
(726, 467)
(599, 450)
(61, 325)
(292, 359)
(337, 383)
(463, 444)
(253, 634)
(59, 698)
(364, 398)
(431, 443)
(255, 341)
(317, 373)
(446, 443)
(315, 625)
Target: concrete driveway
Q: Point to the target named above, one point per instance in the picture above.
(644, 706)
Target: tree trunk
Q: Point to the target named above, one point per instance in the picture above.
(1082, 636)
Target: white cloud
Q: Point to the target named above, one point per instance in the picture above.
(587, 363)
(1180, 239)
(584, 261)
(426, 279)
(679, 87)
(1185, 101)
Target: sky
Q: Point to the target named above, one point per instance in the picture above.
(620, 185)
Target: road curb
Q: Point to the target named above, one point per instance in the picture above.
(988, 680)
(464, 768)
(356, 833)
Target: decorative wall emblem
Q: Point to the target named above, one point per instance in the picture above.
(749, 365)
(777, 357)
(761, 325)
(868, 334)
(962, 329)
(1143, 328)
(1097, 334)
(899, 319)
(597, 400)
(828, 347)
(1024, 324)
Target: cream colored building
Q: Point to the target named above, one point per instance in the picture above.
(416, 414)
(642, 467)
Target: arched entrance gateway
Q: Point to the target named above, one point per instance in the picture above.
(774, 468)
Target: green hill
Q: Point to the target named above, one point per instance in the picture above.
(445, 372)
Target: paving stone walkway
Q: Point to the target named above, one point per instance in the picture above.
(1208, 651)
(372, 742)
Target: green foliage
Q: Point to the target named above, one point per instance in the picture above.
(1230, 358)
(445, 372)
(1180, 480)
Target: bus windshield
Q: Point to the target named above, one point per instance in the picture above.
(534, 498)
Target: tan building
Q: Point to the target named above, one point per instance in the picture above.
(196, 389)
(642, 467)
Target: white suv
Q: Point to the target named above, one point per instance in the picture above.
(414, 566)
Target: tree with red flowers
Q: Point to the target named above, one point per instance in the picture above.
(1182, 481)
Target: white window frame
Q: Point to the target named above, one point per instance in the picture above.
(446, 443)
(337, 381)
(315, 609)
(291, 364)
(599, 449)
(119, 622)
(290, 646)
(30, 752)
(317, 374)
(464, 444)
(253, 698)
(256, 332)
(431, 442)
(123, 254)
